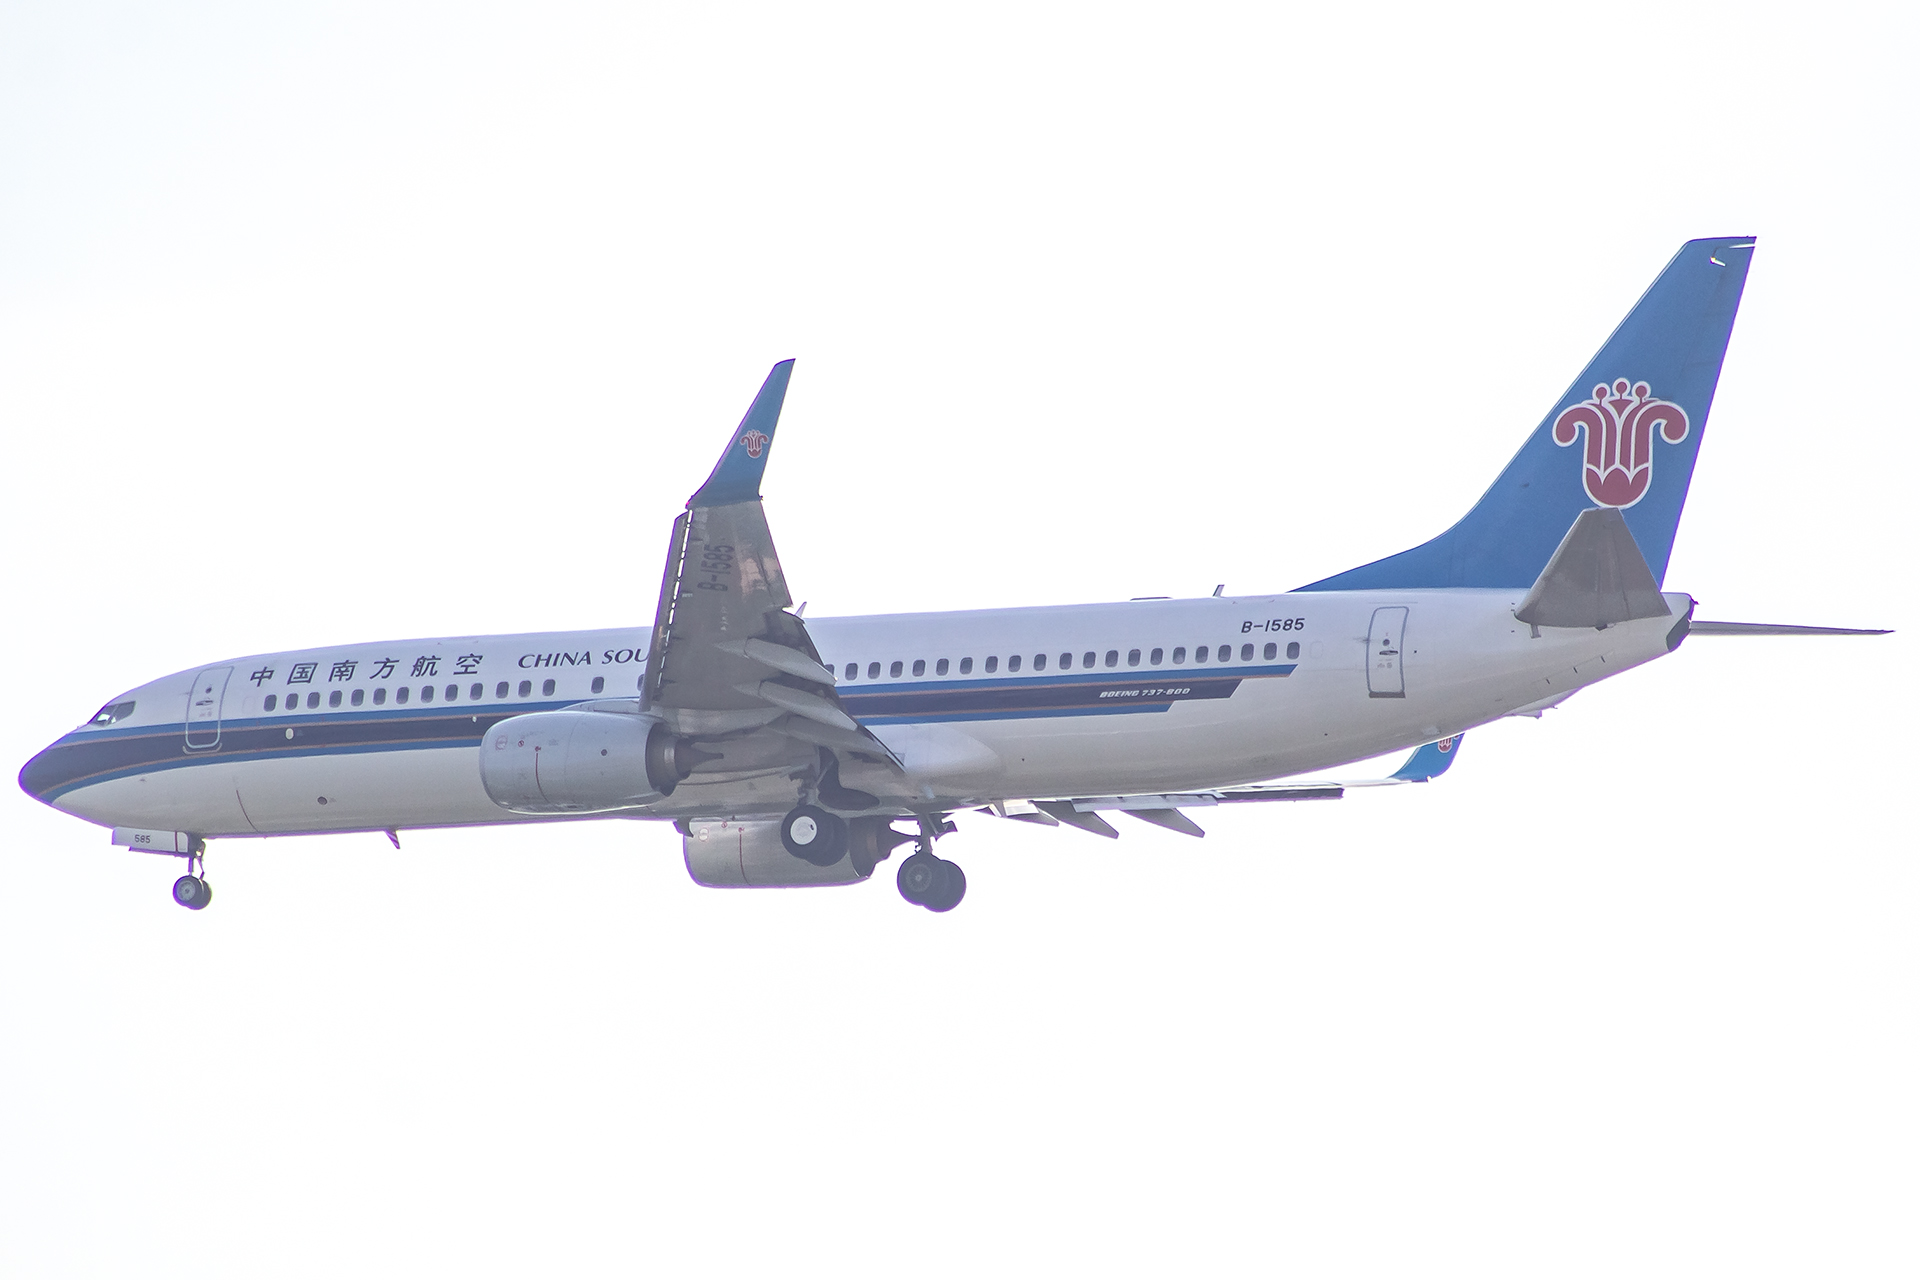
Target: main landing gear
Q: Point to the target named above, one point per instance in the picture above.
(192, 890)
(814, 835)
(929, 881)
(822, 837)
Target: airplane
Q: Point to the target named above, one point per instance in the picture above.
(785, 750)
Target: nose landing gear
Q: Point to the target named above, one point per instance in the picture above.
(192, 890)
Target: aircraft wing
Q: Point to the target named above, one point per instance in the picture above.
(1423, 765)
(729, 660)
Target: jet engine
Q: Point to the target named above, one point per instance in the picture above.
(582, 761)
(749, 855)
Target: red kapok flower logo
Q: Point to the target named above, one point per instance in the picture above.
(1619, 421)
(755, 442)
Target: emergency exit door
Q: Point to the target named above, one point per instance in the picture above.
(1386, 638)
(203, 708)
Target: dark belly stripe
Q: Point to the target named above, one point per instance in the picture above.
(88, 756)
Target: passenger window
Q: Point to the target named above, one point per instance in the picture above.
(993, 665)
(919, 666)
(1133, 657)
(473, 694)
(1180, 655)
(1039, 662)
(940, 667)
(1066, 662)
(546, 688)
(1086, 659)
(273, 700)
(359, 696)
(453, 693)
(1246, 653)
(966, 666)
(599, 683)
(401, 695)
(333, 699)
(1013, 663)
(500, 690)
(1200, 654)
(1272, 651)
(894, 671)
(313, 701)
(1113, 657)
(873, 671)
(426, 693)
(379, 697)
(1155, 656)
(853, 671)
(526, 688)
(1293, 650)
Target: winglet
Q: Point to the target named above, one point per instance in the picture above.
(1430, 761)
(736, 477)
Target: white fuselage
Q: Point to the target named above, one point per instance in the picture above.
(385, 736)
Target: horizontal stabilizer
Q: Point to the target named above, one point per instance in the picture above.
(1597, 577)
(1774, 629)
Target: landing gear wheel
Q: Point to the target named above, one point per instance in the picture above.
(956, 889)
(813, 835)
(923, 879)
(192, 892)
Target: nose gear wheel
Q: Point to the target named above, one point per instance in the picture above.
(192, 890)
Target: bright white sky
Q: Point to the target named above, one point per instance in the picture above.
(334, 323)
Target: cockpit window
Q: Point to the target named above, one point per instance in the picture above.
(112, 713)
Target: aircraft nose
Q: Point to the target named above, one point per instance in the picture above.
(44, 776)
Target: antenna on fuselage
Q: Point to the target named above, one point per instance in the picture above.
(1217, 590)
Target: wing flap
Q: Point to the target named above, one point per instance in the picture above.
(1164, 810)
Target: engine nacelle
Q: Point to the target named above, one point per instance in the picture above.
(749, 855)
(581, 762)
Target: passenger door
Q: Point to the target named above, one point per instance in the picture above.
(203, 708)
(1386, 638)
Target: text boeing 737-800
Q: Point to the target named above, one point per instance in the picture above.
(785, 749)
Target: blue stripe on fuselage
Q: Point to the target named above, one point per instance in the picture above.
(88, 756)
(1096, 693)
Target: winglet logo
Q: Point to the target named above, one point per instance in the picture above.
(1445, 745)
(755, 441)
(1619, 422)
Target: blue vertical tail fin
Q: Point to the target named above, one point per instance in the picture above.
(1625, 435)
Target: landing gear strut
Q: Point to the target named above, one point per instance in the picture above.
(929, 881)
(192, 890)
